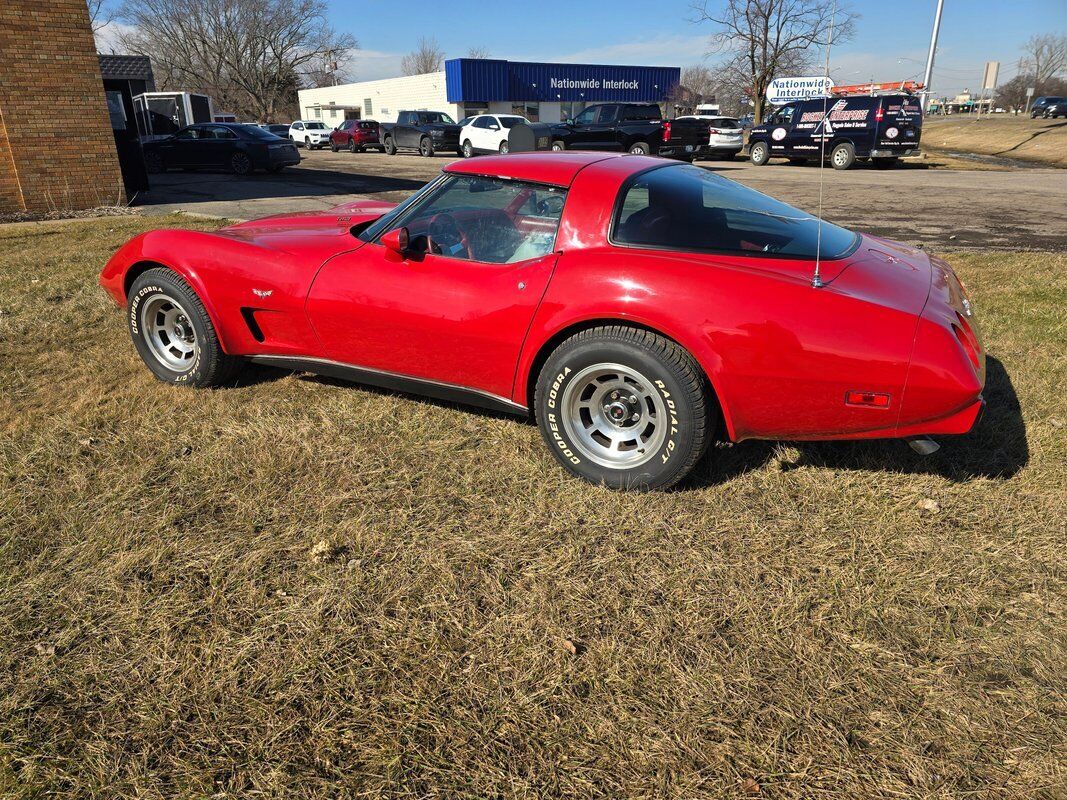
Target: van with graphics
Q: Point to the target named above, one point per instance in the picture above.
(879, 128)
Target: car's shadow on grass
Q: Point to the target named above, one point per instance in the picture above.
(997, 448)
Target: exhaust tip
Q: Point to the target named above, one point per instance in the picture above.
(923, 445)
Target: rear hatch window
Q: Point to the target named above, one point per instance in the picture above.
(368, 125)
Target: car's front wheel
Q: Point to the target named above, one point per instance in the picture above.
(153, 163)
(468, 149)
(624, 407)
(425, 147)
(333, 146)
(173, 333)
(759, 154)
(504, 148)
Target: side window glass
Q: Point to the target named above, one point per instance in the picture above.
(586, 116)
(481, 122)
(480, 219)
(607, 114)
(298, 125)
(187, 134)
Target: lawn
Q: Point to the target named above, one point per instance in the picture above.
(300, 588)
(1043, 141)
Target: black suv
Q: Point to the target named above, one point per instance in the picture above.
(1049, 107)
(881, 128)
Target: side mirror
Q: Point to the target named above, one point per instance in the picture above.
(396, 240)
(494, 127)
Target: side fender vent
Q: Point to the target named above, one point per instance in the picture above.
(249, 315)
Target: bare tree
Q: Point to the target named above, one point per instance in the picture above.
(100, 15)
(479, 52)
(427, 57)
(762, 39)
(700, 81)
(1044, 56)
(250, 55)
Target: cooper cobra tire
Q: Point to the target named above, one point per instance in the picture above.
(624, 407)
(759, 154)
(173, 333)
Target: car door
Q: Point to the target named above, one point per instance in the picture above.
(783, 129)
(219, 145)
(603, 134)
(583, 129)
(405, 133)
(456, 316)
(483, 131)
(176, 150)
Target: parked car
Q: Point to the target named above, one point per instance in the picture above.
(357, 135)
(424, 131)
(239, 148)
(277, 129)
(637, 308)
(725, 139)
(487, 133)
(311, 133)
(631, 128)
(881, 128)
(1042, 105)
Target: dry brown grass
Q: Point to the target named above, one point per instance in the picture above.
(1043, 141)
(298, 588)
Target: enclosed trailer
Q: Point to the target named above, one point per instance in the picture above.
(161, 114)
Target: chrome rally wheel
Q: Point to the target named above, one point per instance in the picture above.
(614, 416)
(174, 334)
(169, 332)
(624, 407)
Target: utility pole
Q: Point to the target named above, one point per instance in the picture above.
(930, 56)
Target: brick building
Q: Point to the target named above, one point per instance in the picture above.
(57, 149)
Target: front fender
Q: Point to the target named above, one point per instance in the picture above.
(236, 279)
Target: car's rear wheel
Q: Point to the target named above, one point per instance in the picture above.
(390, 148)
(153, 162)
(425, 147)
(624, 407)
(759, 154)
(843, 155)
(240, 163)
(639, 149)
(173, 333)
(558, 146)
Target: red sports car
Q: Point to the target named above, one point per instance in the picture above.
(637, 307)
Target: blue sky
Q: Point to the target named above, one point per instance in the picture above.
(890, 43)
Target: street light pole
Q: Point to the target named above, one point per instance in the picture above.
(930, 56)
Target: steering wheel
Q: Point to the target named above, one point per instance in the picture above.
(444, 237)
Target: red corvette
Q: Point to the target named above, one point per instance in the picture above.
(637, 307)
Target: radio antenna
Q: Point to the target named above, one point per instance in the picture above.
(816, 279)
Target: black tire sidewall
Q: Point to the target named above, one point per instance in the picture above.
(670, 461)
(162, 281)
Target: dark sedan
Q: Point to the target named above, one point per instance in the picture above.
(238, 148)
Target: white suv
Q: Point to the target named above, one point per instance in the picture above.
(311, 133)
(487, 133)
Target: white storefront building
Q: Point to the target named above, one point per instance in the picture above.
(542, 92)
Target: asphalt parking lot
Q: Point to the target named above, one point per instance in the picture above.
(947, 208)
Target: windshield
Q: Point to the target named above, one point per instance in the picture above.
(429, 118)
(688, 208)
(315, 126)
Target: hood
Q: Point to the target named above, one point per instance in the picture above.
(320, 234)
